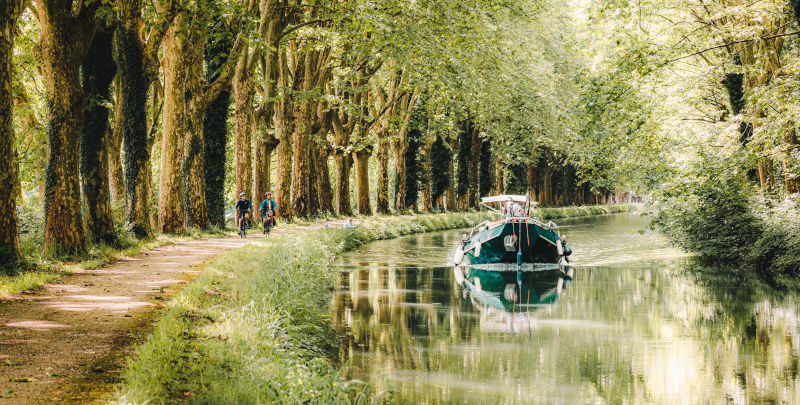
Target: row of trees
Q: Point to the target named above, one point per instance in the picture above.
(417, 102)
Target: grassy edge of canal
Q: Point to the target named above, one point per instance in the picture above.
(255, 326)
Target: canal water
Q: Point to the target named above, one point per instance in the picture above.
(640, 322)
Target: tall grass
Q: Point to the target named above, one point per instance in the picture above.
(256, 326)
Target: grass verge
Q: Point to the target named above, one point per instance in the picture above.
(255, 327)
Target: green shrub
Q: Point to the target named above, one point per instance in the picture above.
(709, 213)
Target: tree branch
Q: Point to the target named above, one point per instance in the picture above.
(741, 41)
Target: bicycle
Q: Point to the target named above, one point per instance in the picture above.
(268, 221)
(243, 227)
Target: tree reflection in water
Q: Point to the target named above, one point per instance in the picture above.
(645, 326)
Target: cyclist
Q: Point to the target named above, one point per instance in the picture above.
(267, 207)
(243, 209)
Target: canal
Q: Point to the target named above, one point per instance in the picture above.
(640, 322)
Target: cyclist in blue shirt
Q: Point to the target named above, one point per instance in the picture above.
(268, 211)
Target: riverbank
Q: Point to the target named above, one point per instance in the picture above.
(256, 326)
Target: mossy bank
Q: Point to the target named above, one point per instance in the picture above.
(256, 327)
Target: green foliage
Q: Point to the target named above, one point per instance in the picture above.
(710, 214)
(516, 179)
(215, 124)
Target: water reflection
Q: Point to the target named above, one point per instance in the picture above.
(639, 325)
(508, 300)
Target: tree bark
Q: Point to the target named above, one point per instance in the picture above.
(425, 175)
(323, 181)
(382, 204)
(263, 168)
(311, 74)
(283, 132)
(450, 195)
(532, 182)
(114, 147)
(215, 139)
(765, 175)
(474, 165)
(193, 154)
(133, 84)
(790, 150)
(342, 163)
(96, 75)
(10, 253)
(400, 147)
(215, 124)
(63, 43)
(362, 180)
(244, 90)
(170, 195)
(498, 173)
(301, 161)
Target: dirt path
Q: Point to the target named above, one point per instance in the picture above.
(67, 342)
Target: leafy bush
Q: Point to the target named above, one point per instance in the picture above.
(717, 213)
(709, 212)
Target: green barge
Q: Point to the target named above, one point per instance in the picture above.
(515, 239)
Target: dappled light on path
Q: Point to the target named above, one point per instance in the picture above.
(84, 322)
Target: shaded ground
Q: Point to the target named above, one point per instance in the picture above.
(67, 341)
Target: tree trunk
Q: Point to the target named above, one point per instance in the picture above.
(425, 175)
(262, 172)
(323, 186)
(301, 162)
(115, 174)
(10, 253)
(532, 182)
(215, 139)
(548, 187)
(63, 44)
(463, 159)
(399, 150)
(790, 174)
(283, 132)
(450, 195)
(243, 90)
(133, 121)
(193, 167)
(215, 130)
(474, 165)
(96, 75)
(170, 195)
(382, 204)
(498, 173)
(765, 175)
(362, 176)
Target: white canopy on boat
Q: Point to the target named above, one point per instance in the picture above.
(504, 198)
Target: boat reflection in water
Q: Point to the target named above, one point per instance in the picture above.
(507, 299)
